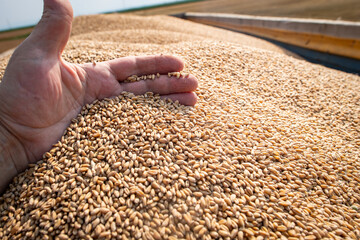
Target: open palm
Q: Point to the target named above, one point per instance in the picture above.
(40, 92)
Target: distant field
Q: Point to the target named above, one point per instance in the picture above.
(326, 9)
(11, 39)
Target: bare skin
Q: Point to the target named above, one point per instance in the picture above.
(40, 92)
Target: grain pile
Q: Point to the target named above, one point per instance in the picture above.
(270, 151)
(157, 30)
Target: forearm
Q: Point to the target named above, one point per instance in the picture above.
(13, 158)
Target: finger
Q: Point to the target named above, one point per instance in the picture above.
(52, 32)
(162, 85)
(127, 66)
(188, 99)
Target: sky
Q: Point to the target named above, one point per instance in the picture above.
(22, 13)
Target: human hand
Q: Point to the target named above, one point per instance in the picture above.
(40, 92)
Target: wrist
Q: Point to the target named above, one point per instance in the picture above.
(13, 158)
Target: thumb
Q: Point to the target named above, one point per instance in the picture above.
(53, 30)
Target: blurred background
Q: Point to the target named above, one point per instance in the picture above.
(19, 13)
(18, 16)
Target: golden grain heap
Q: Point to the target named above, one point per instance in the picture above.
(271, 150)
